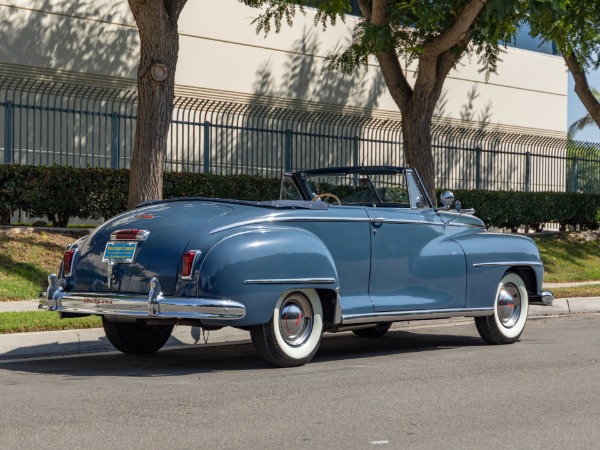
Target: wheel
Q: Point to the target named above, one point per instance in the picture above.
(292, 336)
(510, 312)
(378, 330)
(327, 195)
(136, 338)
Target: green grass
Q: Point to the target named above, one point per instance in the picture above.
(27, 257)
(591, 290)
(568, 258)
(21, 322)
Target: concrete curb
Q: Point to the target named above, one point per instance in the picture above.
(71, 342)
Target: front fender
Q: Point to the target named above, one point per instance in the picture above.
(489, 256)
(254, 266)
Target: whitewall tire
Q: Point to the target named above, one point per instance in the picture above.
(510, 312)
(293, 335)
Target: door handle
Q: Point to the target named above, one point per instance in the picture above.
(377, 223)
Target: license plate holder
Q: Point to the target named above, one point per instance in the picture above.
(119, 252)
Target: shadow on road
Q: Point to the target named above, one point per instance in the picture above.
(237, 357)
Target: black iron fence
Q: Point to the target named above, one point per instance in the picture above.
(50, 123)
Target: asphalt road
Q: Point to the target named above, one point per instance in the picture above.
(428, 387)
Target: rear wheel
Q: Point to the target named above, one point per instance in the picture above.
(136, 338)
(292, 336)
(378, 330)
(510, 312)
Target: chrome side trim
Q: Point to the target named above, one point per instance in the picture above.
(153, 305)
(292, 281)
(320, 219)
(288, 219)
(396, 316)
(509, 263)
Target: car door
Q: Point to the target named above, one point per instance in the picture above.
(413, 265)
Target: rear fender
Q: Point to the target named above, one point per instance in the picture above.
(255, 266)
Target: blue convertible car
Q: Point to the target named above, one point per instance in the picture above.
(350, 248)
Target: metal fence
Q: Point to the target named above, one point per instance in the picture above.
(50, 123)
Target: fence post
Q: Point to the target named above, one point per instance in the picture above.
(575, 174)
(114, 140)
(8, 129)
(355, 152)
(478, 167)
(528, 172)
(288, 150)
(206, 146)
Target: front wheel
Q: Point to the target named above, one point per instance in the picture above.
(510, 312)
(292, 336)
(136, 338)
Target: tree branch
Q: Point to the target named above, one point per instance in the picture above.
(365, 9)
(457, 32)
(394, 77)
(582, 87)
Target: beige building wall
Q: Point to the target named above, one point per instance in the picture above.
(221, 57)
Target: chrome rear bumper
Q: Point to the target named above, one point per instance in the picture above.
(154, 305)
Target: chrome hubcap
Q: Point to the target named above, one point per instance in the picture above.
(509, 305)
(295, 319)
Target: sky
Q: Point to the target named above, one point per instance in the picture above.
(576, 110)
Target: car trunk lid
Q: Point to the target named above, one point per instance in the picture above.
(125, 253)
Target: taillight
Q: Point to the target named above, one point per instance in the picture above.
(68, 258)
(130, 235)
(187, 263)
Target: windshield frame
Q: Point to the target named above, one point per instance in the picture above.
(303, 182)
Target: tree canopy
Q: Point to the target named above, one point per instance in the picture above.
(434, 35)
(574, 25)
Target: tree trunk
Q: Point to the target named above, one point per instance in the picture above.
(417, 103)
(159, 48)
(416, 134)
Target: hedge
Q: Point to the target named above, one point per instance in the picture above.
(531, 210)
(60, 193)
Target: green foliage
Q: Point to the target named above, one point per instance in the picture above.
(276, 11)
(531, 210)
(582, 168)
(240, 187)
(13, 187)
(574, 25)
(60, 193)
(409, 26)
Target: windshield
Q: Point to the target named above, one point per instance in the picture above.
(355, 189)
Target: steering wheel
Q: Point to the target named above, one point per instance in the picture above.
(326, 195)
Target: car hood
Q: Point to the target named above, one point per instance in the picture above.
(170, 227)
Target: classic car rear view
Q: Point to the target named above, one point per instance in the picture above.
(353, 248)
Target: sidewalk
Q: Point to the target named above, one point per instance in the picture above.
(69, 342)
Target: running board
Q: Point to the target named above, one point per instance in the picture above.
(397, 316)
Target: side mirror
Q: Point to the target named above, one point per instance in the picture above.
(447, 198)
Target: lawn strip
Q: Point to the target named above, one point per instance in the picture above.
(28, 321)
